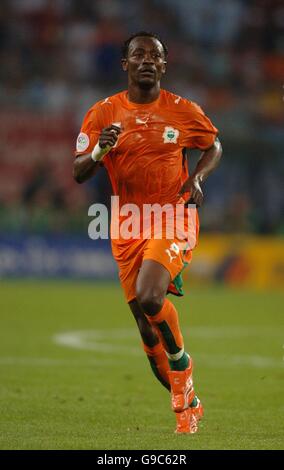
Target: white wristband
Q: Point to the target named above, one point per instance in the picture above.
(98, 152)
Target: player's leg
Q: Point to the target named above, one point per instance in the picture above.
(151, 288)
(151, 344)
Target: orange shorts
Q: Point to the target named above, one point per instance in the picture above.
(129, 257)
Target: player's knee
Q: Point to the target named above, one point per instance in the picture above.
(151, 301)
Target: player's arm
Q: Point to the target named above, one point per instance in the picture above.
(86, 166)
(207, 163)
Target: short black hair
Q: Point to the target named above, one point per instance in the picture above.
(148, 34)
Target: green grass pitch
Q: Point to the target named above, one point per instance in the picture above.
(97, 391)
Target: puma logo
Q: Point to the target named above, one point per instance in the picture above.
(106, 101)
(141, 121)
(173, 251)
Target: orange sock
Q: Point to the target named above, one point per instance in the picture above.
(167, 325)
(158, 362)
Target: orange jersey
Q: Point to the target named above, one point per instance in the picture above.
(146, 166)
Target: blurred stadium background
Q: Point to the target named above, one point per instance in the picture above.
(57, 58)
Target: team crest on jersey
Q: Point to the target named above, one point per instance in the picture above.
(170, 135)
(83, 142)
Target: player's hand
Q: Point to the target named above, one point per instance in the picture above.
(109, 136)
(192, 186)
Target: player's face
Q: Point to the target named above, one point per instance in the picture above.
(145, 63)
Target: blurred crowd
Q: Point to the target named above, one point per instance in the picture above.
(60, 56)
